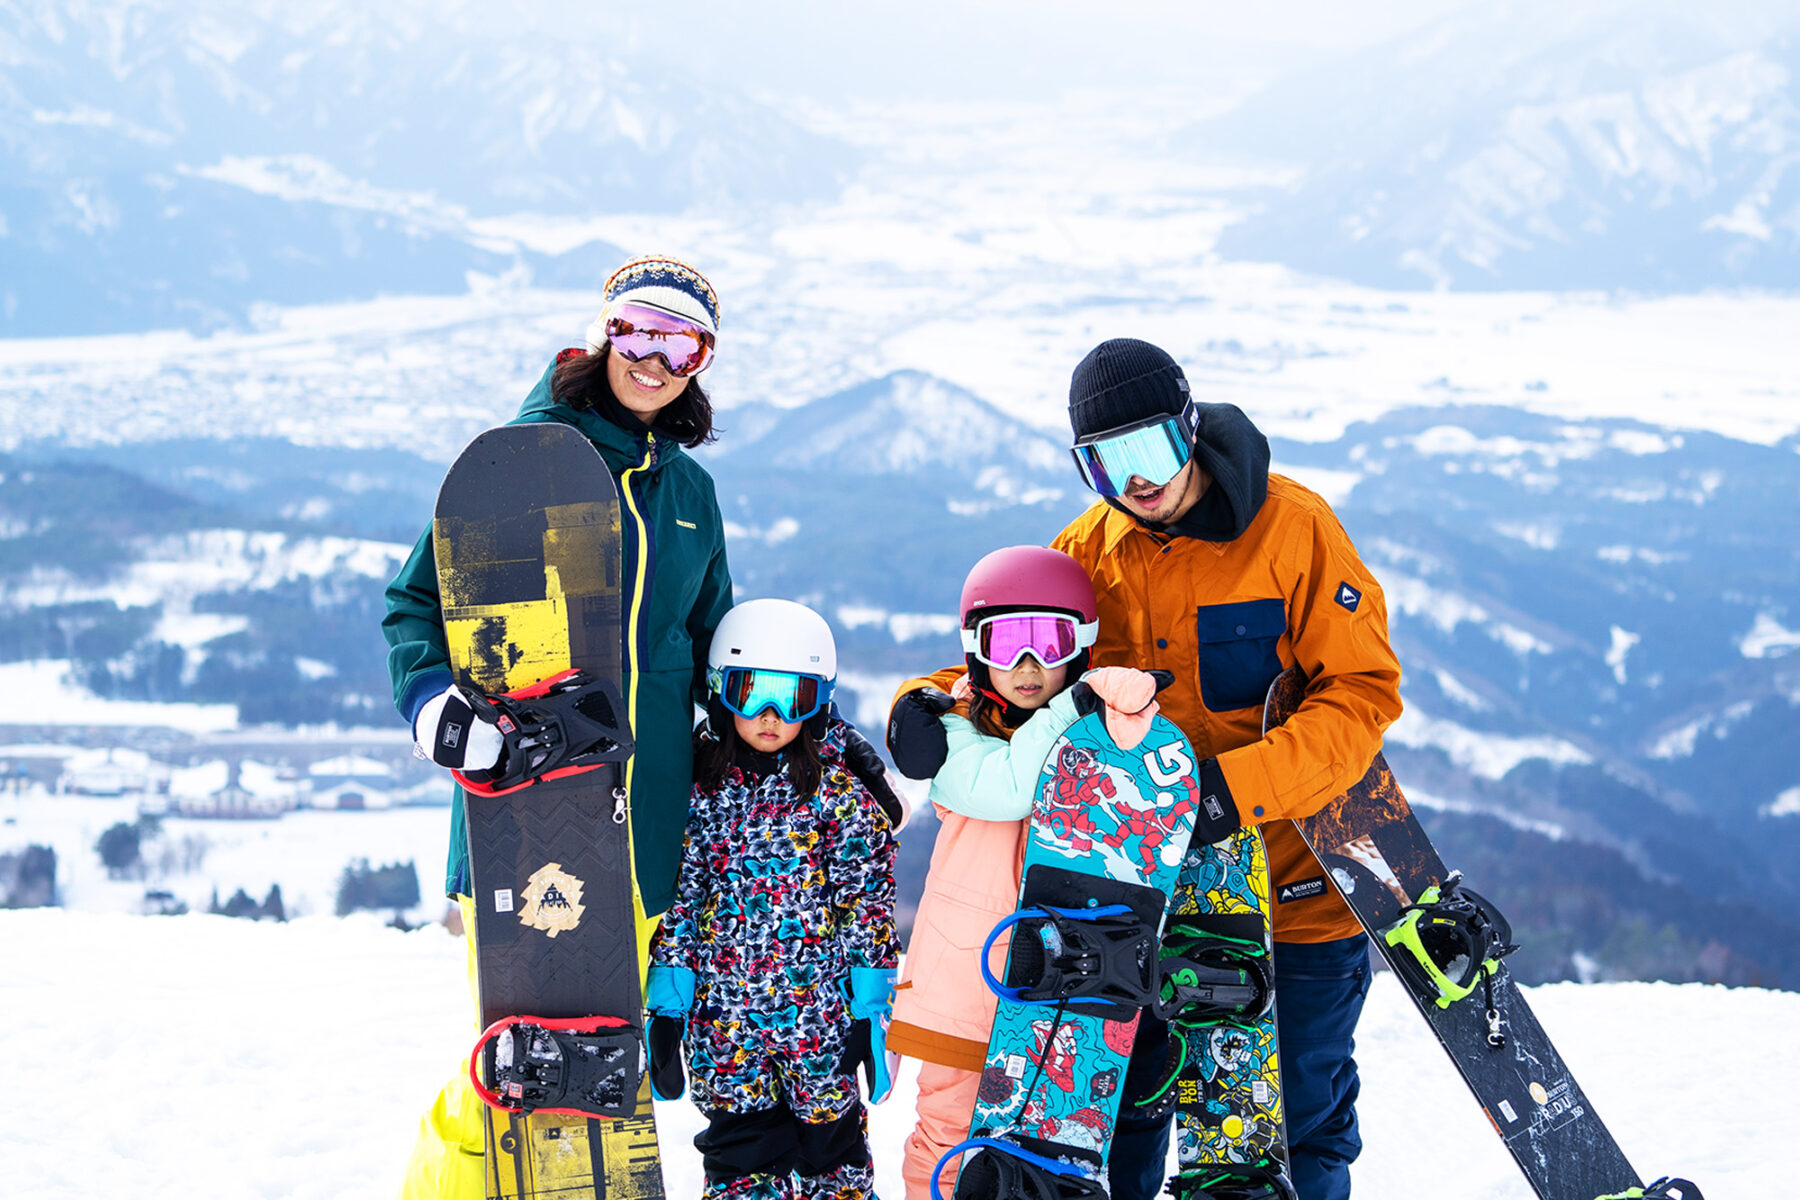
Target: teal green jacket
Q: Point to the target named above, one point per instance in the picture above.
(678, 584)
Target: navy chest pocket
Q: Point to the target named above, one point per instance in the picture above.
(1238, 657)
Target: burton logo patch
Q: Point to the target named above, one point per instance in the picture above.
(552, 900)
(1348, 596)
(1300, 889)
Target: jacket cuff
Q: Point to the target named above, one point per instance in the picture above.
(422, 689)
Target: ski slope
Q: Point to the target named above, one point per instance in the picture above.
(201, 1057)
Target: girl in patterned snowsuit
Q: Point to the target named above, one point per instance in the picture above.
(775, 963)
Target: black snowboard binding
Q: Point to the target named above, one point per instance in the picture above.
(1232, 1181)
(569, 723)
(1454, 940)
(998, 1170)
(1097, 961)
(1210, 979)
(582, 1066)
(1666, 1188)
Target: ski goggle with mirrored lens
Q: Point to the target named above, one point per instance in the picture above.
(747, 691)
(1051, 638)
(638, 331)
(1154, 450)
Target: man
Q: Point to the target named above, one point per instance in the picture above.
(1211, 568)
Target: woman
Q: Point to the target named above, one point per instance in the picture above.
(634, 392)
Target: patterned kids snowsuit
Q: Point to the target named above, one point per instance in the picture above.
(778, 897)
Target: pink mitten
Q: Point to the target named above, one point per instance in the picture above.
(1130, 699)
(962, 689)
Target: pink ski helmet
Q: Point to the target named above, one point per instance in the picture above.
(1029, 577)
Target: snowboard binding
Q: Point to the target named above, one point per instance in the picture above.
(582, 1066)
(1001, 1170)
(1097, 961)
(1666, 1188)
(1211, 979)
(1232, 1181)
(569, 723)
(1456, 939)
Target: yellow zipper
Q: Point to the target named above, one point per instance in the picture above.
(637, 589)
(645, 926)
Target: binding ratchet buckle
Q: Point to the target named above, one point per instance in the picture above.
(1100, 961)
(569, 723)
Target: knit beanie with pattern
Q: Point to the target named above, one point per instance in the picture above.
(660, 282)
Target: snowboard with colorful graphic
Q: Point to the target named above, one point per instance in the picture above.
(1379, 858)
(1218, 948)
(527, 540)
(1108, 831)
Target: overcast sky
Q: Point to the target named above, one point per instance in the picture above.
(989, 49)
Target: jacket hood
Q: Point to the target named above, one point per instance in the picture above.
(1236, 454)
(619, 436)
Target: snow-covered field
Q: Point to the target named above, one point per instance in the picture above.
(201, 1057)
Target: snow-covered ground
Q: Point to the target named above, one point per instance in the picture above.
(202, 1057)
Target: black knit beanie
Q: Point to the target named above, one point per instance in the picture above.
(1121, 381)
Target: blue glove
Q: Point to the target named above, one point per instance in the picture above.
(871, 993)
(669, 997)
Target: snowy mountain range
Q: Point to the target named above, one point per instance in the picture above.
(1593, 616)
(174, 164)
(1577, 503)
(1645, 145)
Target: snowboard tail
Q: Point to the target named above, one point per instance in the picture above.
(527, 534)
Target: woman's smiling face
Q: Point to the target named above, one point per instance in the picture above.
(645, 387)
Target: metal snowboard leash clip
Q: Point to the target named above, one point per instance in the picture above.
(1456, 939)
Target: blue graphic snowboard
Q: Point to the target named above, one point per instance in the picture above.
(1108, 833)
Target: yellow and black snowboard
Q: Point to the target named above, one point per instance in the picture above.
(527, 538)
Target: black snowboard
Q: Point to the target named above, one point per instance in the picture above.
(527, 538)
(1379, 858)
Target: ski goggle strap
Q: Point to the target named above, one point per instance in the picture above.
(638, 331)
(748, 691)
(1154, 450)
(1052, 638)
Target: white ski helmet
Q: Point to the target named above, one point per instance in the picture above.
(772, 635)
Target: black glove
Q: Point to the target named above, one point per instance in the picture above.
(915, 734)
(667, 1079)
(1218, 816)
(865, 763)
(1163, 678)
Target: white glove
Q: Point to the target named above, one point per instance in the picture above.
(448, 733)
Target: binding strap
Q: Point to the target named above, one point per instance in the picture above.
(1100, 961)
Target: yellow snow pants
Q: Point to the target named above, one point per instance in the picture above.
(447, 1158)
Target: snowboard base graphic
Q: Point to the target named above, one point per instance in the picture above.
(1227, 1094)
(1380, 860)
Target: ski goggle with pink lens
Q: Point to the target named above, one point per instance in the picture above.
(1053, 638)
(638, 331)
(1153, 450)
(749, 691)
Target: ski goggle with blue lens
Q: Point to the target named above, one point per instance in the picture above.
(1154, 450)
(748, 691)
